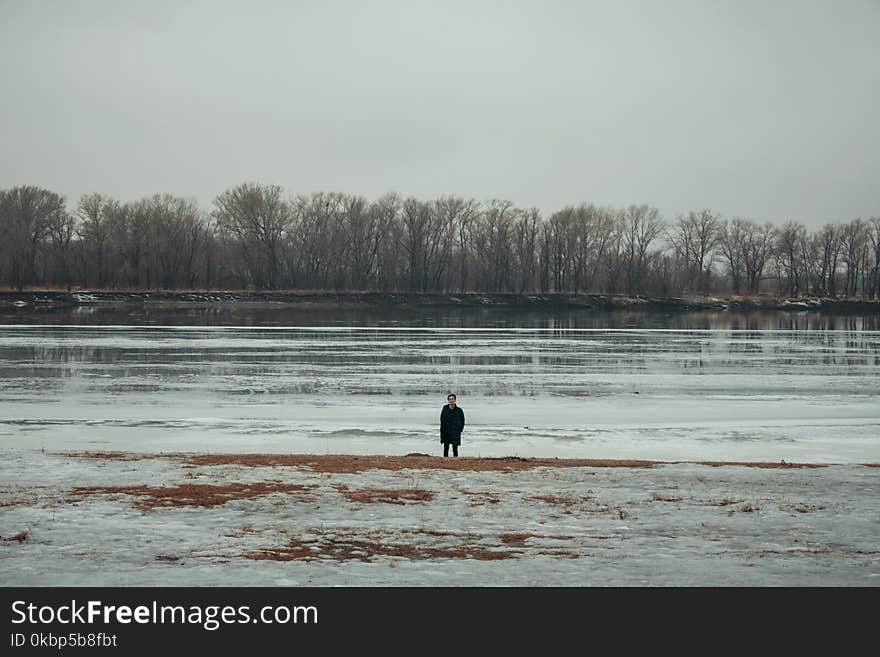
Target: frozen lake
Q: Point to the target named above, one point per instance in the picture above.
(809, 395)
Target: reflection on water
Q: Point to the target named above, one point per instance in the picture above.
(468, 317)
(354, 361)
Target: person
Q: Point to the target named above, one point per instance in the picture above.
(451, 425)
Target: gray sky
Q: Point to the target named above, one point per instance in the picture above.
(766, 109)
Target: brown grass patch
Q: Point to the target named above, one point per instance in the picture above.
(657, 497)
(348, 464)
(763, 554)
(296, 549)
(805, 508)
(242, 531)
(169, 558)
(20, 537)
(725, 502)
(387, 495)
(366, 550)
(519, 539)
(560, 553)
(204, 495)
(111, 456)
(351, 464)
(480, 498)
(18, 502)
(559, 500)
(431, 532)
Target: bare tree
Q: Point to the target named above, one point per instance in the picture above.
(854, 241)
(427, 238)
(789, 256)
(95, 220)
(642, 226)
(874, 276)
(258, 218)
(579, 243)
(665, 270)
(176, 234)
(696, 237)
(614, 257)
(582, 235)
(457, 215)
(389, 258)
(823, 250)
(416, 222)
(731, 245)
(132, 232)
(757, 251)
(321, 240)
(559, 246)
(62, 231)
(525, 242)
(359, 246)
(27, 215)
(497, 228)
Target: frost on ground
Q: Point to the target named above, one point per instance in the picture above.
(323, 520)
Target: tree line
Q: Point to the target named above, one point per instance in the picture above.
(256, 237)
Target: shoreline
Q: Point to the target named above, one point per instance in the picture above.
(357, 463)
(30, 299)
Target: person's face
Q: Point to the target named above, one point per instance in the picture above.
(451, 401)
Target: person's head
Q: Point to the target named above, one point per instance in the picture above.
(450, 399)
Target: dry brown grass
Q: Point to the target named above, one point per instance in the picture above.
(387, 495)
(657, 497)
(805, 508)
(204, 495)
(431, 532)
(366, 549)
(289, 553)
(247, 530)
(559, 500)
(725, 502)
(20, 537)
(351, 464)
(518, 538)
(480, 498)
(561, 553)
(18, 502)
(111, 456)
(784, 465)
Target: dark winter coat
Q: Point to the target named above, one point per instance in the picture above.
(451, 425)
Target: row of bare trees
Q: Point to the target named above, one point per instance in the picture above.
(256, 237)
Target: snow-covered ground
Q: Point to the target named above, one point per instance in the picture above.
(677, 524)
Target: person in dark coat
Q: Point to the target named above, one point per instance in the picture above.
(451, 426)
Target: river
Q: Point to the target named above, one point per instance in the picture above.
(717, 386)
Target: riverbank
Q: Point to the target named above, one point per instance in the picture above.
(35, 299)
(326, 520)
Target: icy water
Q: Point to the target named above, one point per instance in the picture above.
(719, 391)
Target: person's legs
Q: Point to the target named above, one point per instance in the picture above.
(454, 449)
(445, 449)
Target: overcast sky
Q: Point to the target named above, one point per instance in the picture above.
(765, 109)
